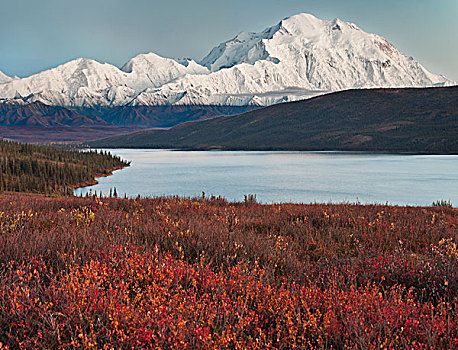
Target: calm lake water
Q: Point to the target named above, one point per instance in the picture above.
(301, 177)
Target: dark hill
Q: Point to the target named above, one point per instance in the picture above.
(38, 114)
(160, 116)
(388, 120)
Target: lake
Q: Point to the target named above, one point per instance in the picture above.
(301, 177)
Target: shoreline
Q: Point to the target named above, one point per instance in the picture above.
(283, 150)
(95, 181)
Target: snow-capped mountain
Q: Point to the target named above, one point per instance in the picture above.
(4, 78)
(299, 57)
(88, 83)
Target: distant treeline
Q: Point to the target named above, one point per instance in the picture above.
(43, 169)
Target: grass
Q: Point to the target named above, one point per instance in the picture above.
(173, 272)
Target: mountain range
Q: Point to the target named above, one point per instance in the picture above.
(298, 58)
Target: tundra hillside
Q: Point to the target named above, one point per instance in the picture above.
(375, 120)
(204, 273)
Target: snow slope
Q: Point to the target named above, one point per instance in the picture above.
(298, 58)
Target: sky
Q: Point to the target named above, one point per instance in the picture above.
(37, 35)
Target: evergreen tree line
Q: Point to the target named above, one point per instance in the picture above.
(44, 169)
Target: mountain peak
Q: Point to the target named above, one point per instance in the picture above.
(250, 47)
(4, 78)
(149, 58)
(302, 17)
(153, 62)
(79, 64)
(307, 25)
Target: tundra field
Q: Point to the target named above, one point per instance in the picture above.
(186, 273)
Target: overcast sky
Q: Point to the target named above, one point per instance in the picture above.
(36, 35)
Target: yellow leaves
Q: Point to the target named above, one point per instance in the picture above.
(449, 246)
(281, 243)
(82, 216)
(137, 213)
(10, 222)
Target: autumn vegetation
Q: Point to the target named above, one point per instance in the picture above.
(204, 273)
